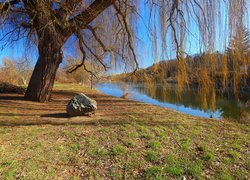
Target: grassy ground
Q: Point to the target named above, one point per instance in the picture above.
(124, 140)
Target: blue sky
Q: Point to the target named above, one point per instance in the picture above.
(144, 49)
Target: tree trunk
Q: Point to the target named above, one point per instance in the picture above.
(43, 76)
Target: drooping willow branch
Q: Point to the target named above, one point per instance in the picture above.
(123, 21)
(82, 64)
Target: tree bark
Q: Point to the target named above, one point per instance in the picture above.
(43, 76)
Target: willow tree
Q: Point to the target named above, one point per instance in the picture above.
(106, 31)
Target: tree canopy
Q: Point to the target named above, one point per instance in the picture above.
(107, 32)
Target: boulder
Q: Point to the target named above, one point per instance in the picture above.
(81, 105)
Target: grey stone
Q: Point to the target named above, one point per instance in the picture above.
(81, 105)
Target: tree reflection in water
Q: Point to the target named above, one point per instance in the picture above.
(189, 101)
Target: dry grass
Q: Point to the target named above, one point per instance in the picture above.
(124, 139)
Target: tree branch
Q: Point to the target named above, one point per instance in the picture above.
(129, 34)
(6, 5)
(88, 15)
(26, 25)
(81, 42)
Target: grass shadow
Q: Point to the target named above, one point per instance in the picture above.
(15, 98)
(65, 120)
(56, 115)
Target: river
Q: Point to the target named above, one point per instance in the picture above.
(189, 102)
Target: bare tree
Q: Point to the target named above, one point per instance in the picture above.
(9, 72)
(104, 29)
(24, 70)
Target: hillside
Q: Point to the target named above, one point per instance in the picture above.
(166, 71)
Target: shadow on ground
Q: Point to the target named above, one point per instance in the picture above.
(89, 122)
(15, 111)
(56, 115)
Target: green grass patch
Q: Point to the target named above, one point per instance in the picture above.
(119, 150)
(152, 156)
(154, 172)
(154, 145)
(75, 148)
(101, 152)
(208, 156)
(195, 169)
(174, 171)
(159, 132)
(146, 136)
(233, 155)
(185, 144)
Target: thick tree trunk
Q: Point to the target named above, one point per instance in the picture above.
(43, 77)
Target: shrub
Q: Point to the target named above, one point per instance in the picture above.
(10, 88)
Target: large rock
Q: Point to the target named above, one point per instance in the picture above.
(81, 105)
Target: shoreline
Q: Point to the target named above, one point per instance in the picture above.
(189, 103)
(161, 106)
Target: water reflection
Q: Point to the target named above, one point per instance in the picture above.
(189, 102)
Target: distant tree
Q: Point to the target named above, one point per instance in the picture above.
(238, 57)
(24, 70)
(85, 74)
(15, 71)
(8, 72)
(240, 43)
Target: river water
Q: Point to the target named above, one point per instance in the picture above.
(189, 102)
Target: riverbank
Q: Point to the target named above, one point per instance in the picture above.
(190, 101)
(124, 139)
